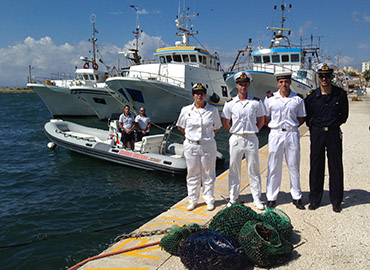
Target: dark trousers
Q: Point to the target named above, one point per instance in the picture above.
(331, 141)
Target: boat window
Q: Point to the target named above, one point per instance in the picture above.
(193, 58)
(86, 77)
(204, 61)
(285, 58)
(97, 77)
(294, 58)
(275, 58)
(185, 58)
(169, 58)
(177, 58)
(200, 58)
(91, 77)
(257, 59)
(224, 91)
(162, 60)
(266, 59)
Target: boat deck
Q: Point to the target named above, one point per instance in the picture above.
(322, 239)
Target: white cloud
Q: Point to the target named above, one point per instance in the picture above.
(346, 60)
(362, 46)
(304, 29)
(355, 16)
(366, 18)
(46, 57)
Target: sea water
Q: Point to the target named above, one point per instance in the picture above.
(58, 207)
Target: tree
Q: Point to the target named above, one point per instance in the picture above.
(366, 75)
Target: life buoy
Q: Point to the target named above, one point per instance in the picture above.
(86, 65)
(95, 66)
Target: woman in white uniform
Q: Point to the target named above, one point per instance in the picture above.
(199, 122)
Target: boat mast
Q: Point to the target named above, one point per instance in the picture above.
(93, 41)
(182, 24)
(279, 34)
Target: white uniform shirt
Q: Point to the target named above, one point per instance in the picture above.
(143, 121)
(243, 115)
(283, 112)
(199, 124)
(127, 121)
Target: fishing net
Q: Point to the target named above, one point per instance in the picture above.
(279, 220)
(263, 245)
(176, 236)
(205, 250)
(231, 219)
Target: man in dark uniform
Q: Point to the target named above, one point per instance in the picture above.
(327, 109)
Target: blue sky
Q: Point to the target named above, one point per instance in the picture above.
(51, 35)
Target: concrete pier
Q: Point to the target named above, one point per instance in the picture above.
(322, 238)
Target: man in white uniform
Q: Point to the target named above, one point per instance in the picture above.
(243, 117)
(199, 122)
(285, 112)
(143, 124)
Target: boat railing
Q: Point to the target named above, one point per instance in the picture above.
(156, 77)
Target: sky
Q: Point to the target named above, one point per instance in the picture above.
(51, 35)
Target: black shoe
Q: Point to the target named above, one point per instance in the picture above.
(299, 204)
(313, 206)
(337, 208)
(271, 204)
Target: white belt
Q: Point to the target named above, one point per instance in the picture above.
(197, 142)
(244, 135)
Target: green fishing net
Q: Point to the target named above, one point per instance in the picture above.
(279, 220)
(171, 241)
(263, 245)
(231, 219)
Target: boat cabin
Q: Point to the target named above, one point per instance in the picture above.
(188, 55)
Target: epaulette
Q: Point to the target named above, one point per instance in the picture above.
(229, 100)
(300, 95)
(310, 92)
(256, 98)
(269, 95)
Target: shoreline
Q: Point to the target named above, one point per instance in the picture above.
(7, 90)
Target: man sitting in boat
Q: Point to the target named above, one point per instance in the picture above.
(143, 123)
(127, 124)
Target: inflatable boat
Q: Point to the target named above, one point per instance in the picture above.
(154, 152)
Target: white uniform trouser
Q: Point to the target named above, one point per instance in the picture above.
(237, 147)
(280, 143)
(201, 170)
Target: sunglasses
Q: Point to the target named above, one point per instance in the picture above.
(327, 76)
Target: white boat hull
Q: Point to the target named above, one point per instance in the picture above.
(265, 82)
(159, 99)
(96, 143)
(60, 102)
(103, 101)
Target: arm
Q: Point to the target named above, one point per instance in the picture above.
(267, 120)
(301, 120)
(226, 123)
(260, 122)
(181, 129)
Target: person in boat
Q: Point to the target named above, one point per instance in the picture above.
(127, 124)
(243, 116)
(199, 122)
(285, 112)
(327, 109)
(143, 124)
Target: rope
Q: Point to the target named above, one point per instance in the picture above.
(111, 254)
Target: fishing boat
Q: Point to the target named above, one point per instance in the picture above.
(280, 56)
(85, 95)
(154, 152)
(163, 88)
